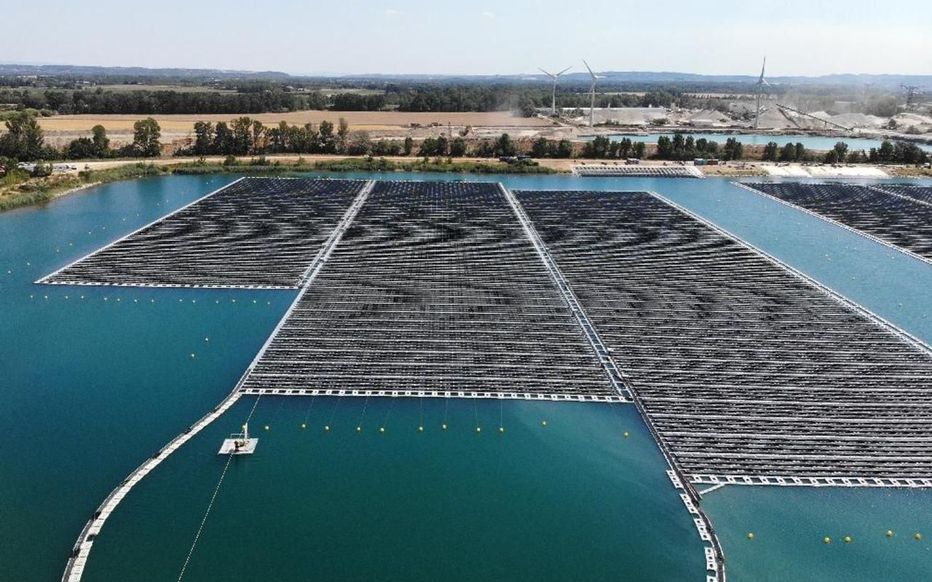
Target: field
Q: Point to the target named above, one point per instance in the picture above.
(120, 127)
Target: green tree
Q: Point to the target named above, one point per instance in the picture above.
(504, 146)
(788, 153)
(23, 140)
(770, 152)
(223, 139)
(800, 152)
(101, 141)
(664, 147)
(540, 148)
(458, 147)
(733, 150)
(841, 151)
(203, 138)
(443, 146)
(242, 136)
(409, 146)
(639, 149)
(326, 141)
(146, 135)
(564, 149)
(342, 132)
(428, 147)
(81, 148)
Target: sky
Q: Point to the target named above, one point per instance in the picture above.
(799, 37)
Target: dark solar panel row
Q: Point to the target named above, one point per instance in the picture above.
(435, 287)
(257, 232)
(897, 220)
(918, 193)
(743, 368)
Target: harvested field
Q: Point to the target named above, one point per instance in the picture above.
(361, 120)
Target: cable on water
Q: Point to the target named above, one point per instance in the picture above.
(210, 506)
(391, 404)
(362, 415)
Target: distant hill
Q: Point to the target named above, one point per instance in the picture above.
(611, 77)
(142, 72)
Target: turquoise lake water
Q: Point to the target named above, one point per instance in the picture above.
(92, 386)
(813, 142)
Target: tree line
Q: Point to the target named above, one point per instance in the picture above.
(261, 99)
(24, 141)
(682, 148)
(889, 152)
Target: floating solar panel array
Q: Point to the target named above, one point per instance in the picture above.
(256, 232)
(637, 171)
(918, 193)
(896, 220)
(748, 373)
(434, 290)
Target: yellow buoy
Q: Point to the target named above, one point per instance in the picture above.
(443, 426)
(478, 429)
(627, 434)
(206, 339)
(358, 429)
(917, 536)
(266, 427)
(303, 425)
(327, 428)
(501, 429)
(420, 429)
(848, 539)
(543, 423)
(826, 540)
(192, 354)
(381, 429)
(750, 535)
(889, 533)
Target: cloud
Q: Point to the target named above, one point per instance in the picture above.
(488, 14)
(391, 12)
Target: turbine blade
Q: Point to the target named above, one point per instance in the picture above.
(591, 74)
(551, 75)
(762, 68)
(564, 70)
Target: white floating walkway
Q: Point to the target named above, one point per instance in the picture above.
(74, 569)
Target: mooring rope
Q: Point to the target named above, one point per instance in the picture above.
(210, 506)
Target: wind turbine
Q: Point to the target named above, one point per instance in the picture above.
(553, 93)
(595, 79)
(760, 90)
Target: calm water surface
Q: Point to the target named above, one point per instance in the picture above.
(92, 386)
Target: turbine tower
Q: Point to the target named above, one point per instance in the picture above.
(761, 82)
(553, 92)
(595, 79)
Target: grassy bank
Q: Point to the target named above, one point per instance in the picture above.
(17, 191)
